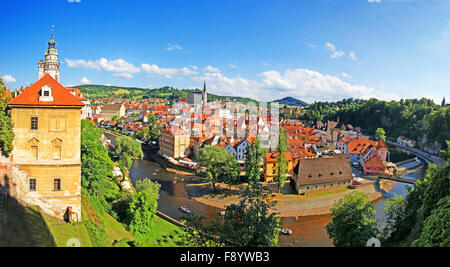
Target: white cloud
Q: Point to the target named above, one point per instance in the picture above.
(303, 84)
(232, 66)
(352, 55)
(74, 1)
(335, 53)
(118, 65)
(211, 69)
(374, 1)
(85, 80)
(124, 75)
(173, 47)
(8, 79)
(126, 70)
(167, 72)
(345, 75)
(265, 63)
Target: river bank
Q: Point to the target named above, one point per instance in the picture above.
(290, 205)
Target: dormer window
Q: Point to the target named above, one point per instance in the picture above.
(46, 94)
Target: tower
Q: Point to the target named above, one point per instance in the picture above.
(205, 94)
(51, 64)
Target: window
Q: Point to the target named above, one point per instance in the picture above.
(34, 123)
(34, 152)
(32, 183)
(46, 93)
(56, 184)
(57, 153)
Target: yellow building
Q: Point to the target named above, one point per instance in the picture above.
(109, 111)
(174, 144)
(47, 121)
(271, 166)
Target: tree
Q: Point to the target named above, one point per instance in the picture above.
(353, 221)
(282, 163)
(219, 164)
(445, 153)
(115, 118)
(250, 223)
(380, 134)
(253, 156)
(436, 229)
(6, 124)
(142, 208)
(128, 148)
(394, 210)
(97, 167)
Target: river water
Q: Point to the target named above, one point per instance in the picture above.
(307, 231)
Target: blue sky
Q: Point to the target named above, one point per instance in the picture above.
(309, 49)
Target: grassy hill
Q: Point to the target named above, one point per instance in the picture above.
(30, 227)
(168, 93)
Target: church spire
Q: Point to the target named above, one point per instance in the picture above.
(205, 94)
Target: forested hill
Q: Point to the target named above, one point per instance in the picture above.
(169, 93)
(412, 118)
(290, 101)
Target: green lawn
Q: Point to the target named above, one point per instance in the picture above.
(162, 234)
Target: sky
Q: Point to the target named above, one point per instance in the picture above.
(313, 50)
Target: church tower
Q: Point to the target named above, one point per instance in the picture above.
(205, 94)
(51, 64)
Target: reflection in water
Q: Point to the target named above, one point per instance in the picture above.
(307, 231)
(172, 194)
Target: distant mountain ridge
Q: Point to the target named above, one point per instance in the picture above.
(290, 101)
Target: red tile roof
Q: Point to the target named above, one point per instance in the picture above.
(61, 96)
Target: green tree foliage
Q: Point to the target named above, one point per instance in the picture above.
(353, 221)
(142, 207)
(253, 157)
(412, 118)
(128, 148)
(436, 228)
(282, 163)
(97, 167)
(420, 204)
(115, 118)
(394, 210)
(219, 165)
(380, 134)
(6, 124)
(250, 223)
(445, 153)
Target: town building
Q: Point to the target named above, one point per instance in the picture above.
(270, 166)
(174, 143)
(111, 110)
(86, 111)
(47, 122)
(198, 98)
(322, 174)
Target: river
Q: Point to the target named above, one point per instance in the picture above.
(307, 231)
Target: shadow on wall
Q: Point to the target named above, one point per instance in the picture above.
(21, 226)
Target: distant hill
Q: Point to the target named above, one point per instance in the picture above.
(290, 101)
(169, 93)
